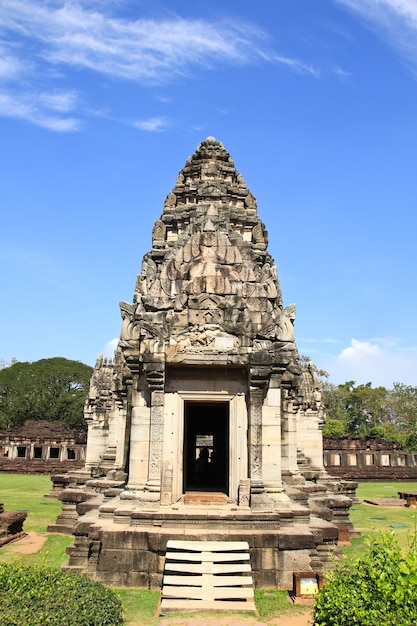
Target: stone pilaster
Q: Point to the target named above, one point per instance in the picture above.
(255, 440)
(290, 471)
(156, 379)
(139, 447)
(271, 426)
(257, 382)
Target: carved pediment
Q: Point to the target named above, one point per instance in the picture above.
(204, 301)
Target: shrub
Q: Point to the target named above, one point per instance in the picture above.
(376, 588)
(34, 595)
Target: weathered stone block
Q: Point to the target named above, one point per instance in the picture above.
(138, 579)
(266, 540)
(125, 539)
(144, 561)
(155, 581)
(268, 559)
(115, 560)
(296, 539)
(267, 579)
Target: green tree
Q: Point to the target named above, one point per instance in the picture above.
(366, 410)
(335, 401)
(355, 410)
(402, 415)
(50, 389)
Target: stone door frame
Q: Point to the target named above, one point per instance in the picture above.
(174, 436)
(213, 419)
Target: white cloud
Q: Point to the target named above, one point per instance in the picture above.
(381, 9)
(110, 347)
(295, 64)
(41, 108)
(152, 124)
(359, 351)
(141, 49)
(381, 363)
(42, 41)
(395, 19)
(10, 65)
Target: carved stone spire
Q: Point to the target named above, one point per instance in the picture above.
(208, 284)
(210, 176)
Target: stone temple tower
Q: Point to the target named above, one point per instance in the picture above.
(207, 423)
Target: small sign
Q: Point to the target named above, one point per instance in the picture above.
(306, 584)
(309, 586)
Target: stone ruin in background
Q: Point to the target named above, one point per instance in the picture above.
(41, 447)
(207, 424)
(11, 525)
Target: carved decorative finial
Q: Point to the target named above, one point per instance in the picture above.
(211, 142)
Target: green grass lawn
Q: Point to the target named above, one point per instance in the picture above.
(369, 519)
(26, 492)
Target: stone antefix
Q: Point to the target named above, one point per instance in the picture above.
(207, 424)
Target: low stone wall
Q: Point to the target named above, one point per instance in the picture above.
(368, 459)
(374, 473)
(37, 466)
(42, 447)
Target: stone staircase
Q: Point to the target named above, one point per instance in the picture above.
(207, 576)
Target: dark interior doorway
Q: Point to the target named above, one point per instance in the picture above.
(206, 446)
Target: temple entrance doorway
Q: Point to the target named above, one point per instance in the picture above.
(206, 446)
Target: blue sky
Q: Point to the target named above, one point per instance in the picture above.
(102, 101)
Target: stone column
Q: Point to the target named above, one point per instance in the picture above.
(97, 438)
(271, 440)
(139, 447)
(156, 381)
(255, 439)
(155, 444)
(289, 440)
(119, 417)
(258, 379)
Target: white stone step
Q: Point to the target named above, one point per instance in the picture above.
(215, 576)
(212, 557)
(206, 605)
(208, 568)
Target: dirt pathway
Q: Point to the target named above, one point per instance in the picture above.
(300, 619)
(29, 544)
